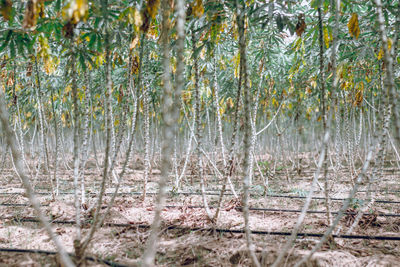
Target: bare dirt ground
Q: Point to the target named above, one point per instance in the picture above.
(183, 247)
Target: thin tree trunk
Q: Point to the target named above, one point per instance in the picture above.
(170, 117)
(389, 77)
(240, 15)
(323, 148)
(85, 143)
(41, 118)
(11, 141)
(108, 96)
(253, 139)
(323, 114)
(218, 112)
(146, 114)
(197, 107)
(76, 116)
(342, 211)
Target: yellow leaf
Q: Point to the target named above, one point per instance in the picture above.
(359, 94)
(152, 7)
(75, 10)
(31, 15)
(135, 63)
(186, 96)
(6, 8)
(314, 84)
(274, 102)
(326, 37)
(67, 89)
(381, 53)
(134, 42)
(390, 42)
(236, 61)
(152, 33)
(221, 101)
(198, 8)
(50, 65)
(308, 113)
(353, 26)
(229, 102)
(203, 53)
(208, 92)
(99, 60)
(137, 18)
(82, 8)
(153, 55)
(28, 114)
(80, 95)
(222, 110)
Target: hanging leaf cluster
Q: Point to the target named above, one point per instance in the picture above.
(149, 13)
(198, 9)
(381, 52)
(6, 8)
(31, 14)
(353, 26)
(73, 12)
(359, 95)
(301, 25)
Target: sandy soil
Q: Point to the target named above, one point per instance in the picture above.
(179, 247)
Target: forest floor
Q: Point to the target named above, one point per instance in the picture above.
(181, 246)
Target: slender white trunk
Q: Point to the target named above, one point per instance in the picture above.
(11, 141)
(170, 117)
(240, 15)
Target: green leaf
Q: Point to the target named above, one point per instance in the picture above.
(197, 51)
(89, 59)
(6, 41)
(12, 49)
(315, 3)
(279, 23)
(92, 41)
(58, 5)
(99, 45)
(82, 62)
(20, 45)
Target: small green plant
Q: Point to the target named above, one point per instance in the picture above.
(264, 164)
(356, 203)
(174, 191)
(279, 168)
(299, 192)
